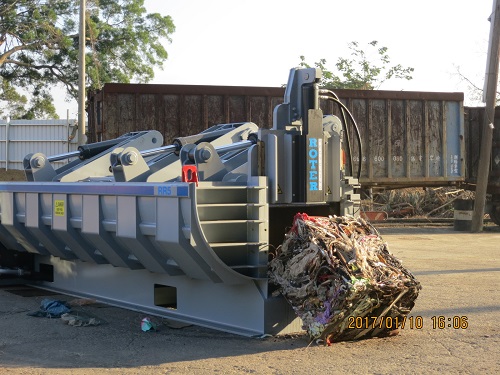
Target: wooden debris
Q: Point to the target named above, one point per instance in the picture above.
(417, 202)
(341, 280)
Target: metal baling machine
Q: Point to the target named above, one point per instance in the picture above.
(181, 231)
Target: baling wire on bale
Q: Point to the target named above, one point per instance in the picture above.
(341, 280)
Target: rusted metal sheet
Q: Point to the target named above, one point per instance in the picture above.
(408, 138)
(408, 141)
(474, 123)
(176, 110)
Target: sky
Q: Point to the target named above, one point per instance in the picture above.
(257, 42)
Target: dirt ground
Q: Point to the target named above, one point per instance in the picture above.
(12, 175)
(459, 273)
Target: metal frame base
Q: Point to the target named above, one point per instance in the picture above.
(243, 309)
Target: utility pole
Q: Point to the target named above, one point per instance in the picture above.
(489, 119)
(81, 76)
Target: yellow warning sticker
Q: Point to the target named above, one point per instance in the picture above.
(279, 190)
(59, 207)
(329, 191)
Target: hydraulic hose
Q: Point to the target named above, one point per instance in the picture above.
(333, 97)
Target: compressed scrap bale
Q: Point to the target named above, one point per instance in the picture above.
(341, 280)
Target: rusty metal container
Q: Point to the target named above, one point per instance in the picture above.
(408, 138)
(474, 122)
(176, 110)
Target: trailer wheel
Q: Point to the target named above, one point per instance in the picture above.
(495, 214)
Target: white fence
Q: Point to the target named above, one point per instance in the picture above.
(21, 137)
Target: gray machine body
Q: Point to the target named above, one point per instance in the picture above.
(182, 231)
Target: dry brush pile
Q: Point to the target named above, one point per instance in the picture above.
(417, 202)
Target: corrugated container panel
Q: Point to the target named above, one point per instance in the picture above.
(455, 151)
(435, 136)
(398, 148)
(126, 114)
(215, 110)
(416, 140)
(408, 138)
(237, 109)
(191, 115)
(176, 110)
(474, 120)
(258, 111)
(170, 125)
(145, 106)
(377, 115)
(408, 142)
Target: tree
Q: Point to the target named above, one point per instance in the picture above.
(361, 70)
(39, 48)
(474, 92)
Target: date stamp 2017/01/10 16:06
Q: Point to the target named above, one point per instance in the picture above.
(408, 322)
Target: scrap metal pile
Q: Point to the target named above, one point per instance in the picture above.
(341, 280)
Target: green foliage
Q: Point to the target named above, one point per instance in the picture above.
(39, 48)
(9, 95)
(362, 70)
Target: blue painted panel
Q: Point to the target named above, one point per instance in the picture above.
(128, 188)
